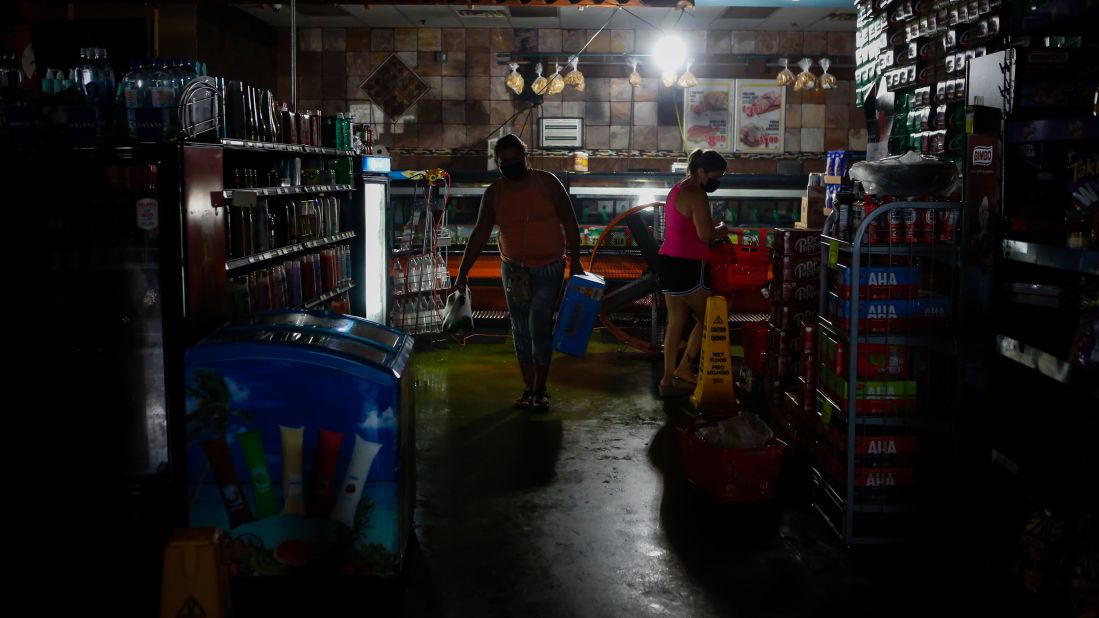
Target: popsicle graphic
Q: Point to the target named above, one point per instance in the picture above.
(217, 451)
(324, 472)
(266, 503)
(291, 469)
(352, 489)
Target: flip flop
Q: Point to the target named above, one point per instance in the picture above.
(541, 402)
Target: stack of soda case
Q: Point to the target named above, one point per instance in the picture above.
(795, 291)
(908, 226)
(885, 462)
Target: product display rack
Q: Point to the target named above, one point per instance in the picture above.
(888, 377)
(343, 246)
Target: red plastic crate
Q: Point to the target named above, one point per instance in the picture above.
(735, 267)
(731, 474)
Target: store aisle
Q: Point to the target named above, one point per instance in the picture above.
(584, 511)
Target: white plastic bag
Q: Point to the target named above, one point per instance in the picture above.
(458, 314)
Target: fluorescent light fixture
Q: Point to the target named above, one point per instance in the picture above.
(670, 52)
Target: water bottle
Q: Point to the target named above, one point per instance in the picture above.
(134, 92)
(162, 96)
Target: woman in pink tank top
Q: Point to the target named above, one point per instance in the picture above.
(683, 269)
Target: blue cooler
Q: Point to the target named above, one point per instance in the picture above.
(579, 309)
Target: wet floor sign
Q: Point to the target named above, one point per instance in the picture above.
(715, 376)
(195, 584)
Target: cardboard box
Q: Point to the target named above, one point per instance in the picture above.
(579, 310)
(812, 213)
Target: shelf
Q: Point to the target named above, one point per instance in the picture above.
(1051, 129)
(259, 258)
(1052, 256)
(240, 144)
(865, 505)
(419, 293)
(327, 296)
(1042, 362)
(875, 420)
(941, 341)
(904, 249)
(298, 190)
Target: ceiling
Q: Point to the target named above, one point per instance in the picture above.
(740, 17)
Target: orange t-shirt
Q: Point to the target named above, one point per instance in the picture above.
(530, 231)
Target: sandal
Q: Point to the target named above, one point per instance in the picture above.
(525, 400)
(541, 402)
(693, 380)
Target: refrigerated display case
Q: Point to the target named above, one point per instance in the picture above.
(113, 248)
(749, 203)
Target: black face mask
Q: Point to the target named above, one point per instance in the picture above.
(513, 171)
(711, 185)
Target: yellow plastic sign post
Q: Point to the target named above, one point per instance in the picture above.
(195, 581)
(715, 376)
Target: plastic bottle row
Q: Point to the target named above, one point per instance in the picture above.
(423, 273)
(292, 283)
(416, 315)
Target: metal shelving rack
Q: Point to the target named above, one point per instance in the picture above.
(879, 494)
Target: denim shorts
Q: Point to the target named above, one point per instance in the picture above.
(532, 321)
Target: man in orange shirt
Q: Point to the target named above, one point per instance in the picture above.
(537, 226)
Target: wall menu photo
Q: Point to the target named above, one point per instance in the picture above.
(760, 113)
(706, 121)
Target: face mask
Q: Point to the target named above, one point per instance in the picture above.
(513, 171)
(711, 185)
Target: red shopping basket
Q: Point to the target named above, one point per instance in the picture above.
(731, 474)
(737, 267)
(753, 336)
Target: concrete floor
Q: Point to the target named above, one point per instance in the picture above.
(585, 512)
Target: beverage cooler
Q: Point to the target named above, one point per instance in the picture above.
(119, 279)
(300, 443)
(749, 203)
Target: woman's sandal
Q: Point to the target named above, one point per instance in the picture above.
(675, 390)
(541, 402)
(525, 400)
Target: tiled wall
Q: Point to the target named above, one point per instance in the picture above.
(468, 98)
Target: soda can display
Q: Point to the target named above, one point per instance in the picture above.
(896, 219)
(873, 229)
(911, 226)
(948, 222)
(927, 225)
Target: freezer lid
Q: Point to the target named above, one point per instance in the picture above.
(308, 338)
(370, 332)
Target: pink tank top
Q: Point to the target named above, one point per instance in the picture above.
(680, 236)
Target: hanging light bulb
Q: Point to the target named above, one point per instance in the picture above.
(635, 77)
(785, 76)
(556, 82)
(514, 80)
(670, 53)
(805, 80)
(688, 79)
(826, 80)
(575, 78)
(540, 83)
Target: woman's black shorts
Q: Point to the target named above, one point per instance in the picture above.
(681, 276)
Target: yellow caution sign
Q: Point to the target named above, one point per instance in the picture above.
(715, 376)
(196, 583)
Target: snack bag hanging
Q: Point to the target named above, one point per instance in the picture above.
(514, 80)
(540, 83)
(826, 79)
(575, 78)
(805, 80)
